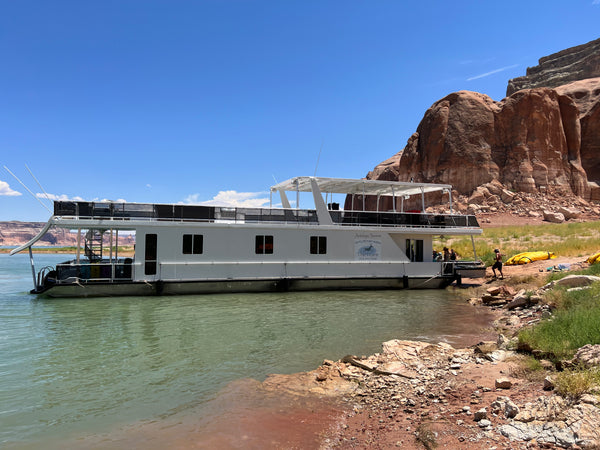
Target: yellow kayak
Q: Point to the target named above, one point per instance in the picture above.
(527, 257)
(594, 259)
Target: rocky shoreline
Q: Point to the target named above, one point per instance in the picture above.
(421, 395)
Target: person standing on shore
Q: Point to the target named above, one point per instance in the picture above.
(498, 263)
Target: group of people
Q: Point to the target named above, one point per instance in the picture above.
(447, 255)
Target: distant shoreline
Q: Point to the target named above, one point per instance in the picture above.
(127, 251)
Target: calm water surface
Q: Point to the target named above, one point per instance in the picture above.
(80, 367)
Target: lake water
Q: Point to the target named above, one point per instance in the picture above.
(72, 369)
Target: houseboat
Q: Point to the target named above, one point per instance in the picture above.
(193, 249)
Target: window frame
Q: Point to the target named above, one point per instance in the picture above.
(264, 244)
(318, 245)
(193, 244)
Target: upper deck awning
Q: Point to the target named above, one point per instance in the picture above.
(362, 186)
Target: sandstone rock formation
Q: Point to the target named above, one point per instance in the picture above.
(572, 64)
(586, 95)
(538, 146)
(537, 141)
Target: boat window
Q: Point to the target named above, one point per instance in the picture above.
(414, 249)
(150, 254)
(264, 245)
(193, 244)
(318, 245)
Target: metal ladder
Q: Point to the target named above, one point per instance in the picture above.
(93, 245)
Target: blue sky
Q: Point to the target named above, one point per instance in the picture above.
(204, 101)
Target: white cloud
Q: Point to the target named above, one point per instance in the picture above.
(231, 198)
(108, 200)
(492, 72)
(66, 198)
(149, 186)
(59, 198)
(6, 190)
(596, 2)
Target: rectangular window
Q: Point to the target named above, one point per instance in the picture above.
(150, 254)
(414, 249)
(264, 245)
(318, 245)
(198, 244)
(187, 244)
(193, 244)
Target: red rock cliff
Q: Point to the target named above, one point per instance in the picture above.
(536, 140)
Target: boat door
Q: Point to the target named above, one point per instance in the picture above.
(150, 255)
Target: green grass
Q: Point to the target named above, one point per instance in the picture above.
(575, 323)
(565, 239)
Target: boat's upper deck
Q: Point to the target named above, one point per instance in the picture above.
(85, 211)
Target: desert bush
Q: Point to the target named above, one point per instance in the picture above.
(574, 383)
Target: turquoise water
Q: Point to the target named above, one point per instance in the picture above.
(78, 367)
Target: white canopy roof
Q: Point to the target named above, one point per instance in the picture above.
(361, 186)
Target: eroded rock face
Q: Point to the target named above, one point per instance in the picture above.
(586, 95)
(531, 146)
(535, 141)
(453, 142)
(575, 63)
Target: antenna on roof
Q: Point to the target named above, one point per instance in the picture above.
(36, 180)
(28, 190)
(319, 157)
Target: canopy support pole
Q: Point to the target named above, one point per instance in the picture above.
(78, 244)
(363, 197)
(474, 251)
(110, 258)
(32, 269)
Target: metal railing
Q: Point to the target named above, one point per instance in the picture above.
(143, 211)
(102, 271)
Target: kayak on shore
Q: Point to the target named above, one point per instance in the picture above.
(595, 258)
(527, 257)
